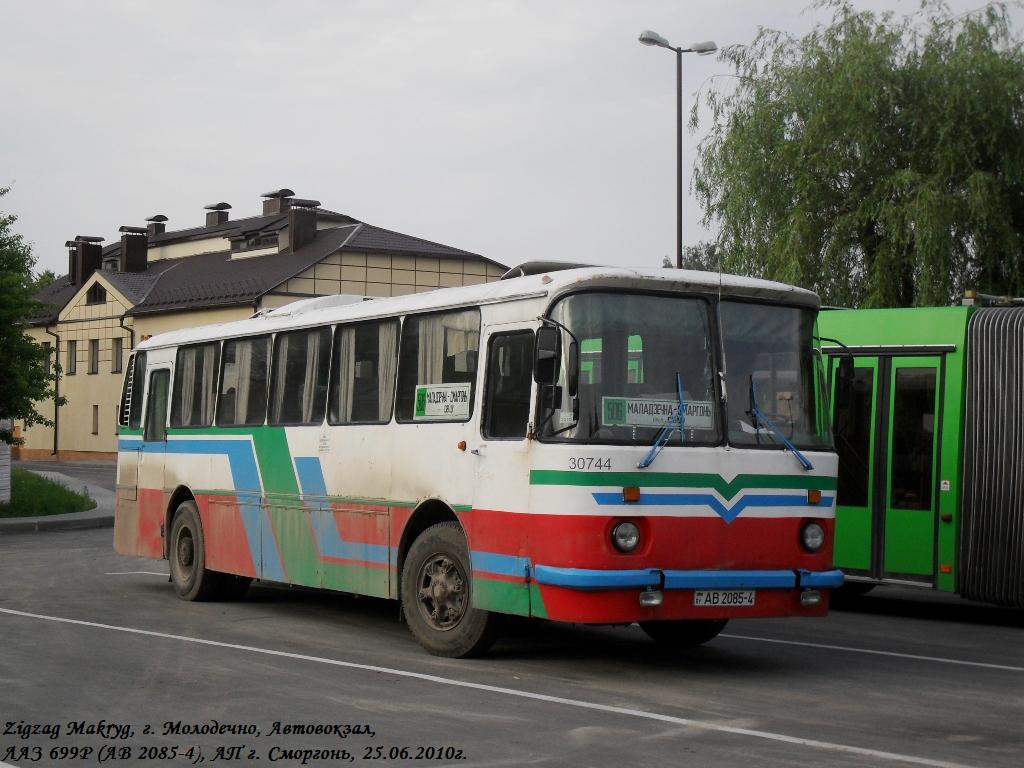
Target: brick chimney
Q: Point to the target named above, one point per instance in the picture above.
(278, 201)
(217, 213)
(134, 249)
(301, 229)
(157, 225)
(85, 256)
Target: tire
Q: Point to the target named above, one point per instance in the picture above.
(683, 633)
(187, 555)
(437, 596)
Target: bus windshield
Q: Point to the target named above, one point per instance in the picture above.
(772, 372)
(633, 348)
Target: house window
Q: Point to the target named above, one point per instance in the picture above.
(48, 363)
(95, 419)
(94, 355)
(72, 366)
(116, 354)
(96, 294)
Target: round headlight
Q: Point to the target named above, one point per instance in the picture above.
(813, 536)
(626, 536)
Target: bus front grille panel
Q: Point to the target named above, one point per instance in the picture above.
(991, 556)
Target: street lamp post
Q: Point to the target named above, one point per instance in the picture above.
(647, 37)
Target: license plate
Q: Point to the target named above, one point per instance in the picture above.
(723, 598)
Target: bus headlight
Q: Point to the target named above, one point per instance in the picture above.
(812, 536)
(626, 536)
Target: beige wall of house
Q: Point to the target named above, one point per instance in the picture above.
(151, 325)
(385, 275)
(92, 352)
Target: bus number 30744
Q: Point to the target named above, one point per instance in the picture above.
(589, 462)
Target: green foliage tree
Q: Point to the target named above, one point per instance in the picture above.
(877, 160)
(43, 279)
(26, 376)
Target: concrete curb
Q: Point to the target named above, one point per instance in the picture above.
(101, 516)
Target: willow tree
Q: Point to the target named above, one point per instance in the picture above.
(878, 160)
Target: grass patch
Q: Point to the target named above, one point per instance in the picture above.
(34, 496)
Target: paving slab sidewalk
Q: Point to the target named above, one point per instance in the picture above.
(101, 516)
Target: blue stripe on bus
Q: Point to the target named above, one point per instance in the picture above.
(504, 565)
(726, 512)
(245, 476)
(585, 578)
(328, 538)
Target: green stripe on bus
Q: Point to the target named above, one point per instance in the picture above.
(681, 480)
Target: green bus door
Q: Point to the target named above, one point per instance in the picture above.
(887, 444)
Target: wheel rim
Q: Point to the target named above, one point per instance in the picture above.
(443, 597)
(185, 553)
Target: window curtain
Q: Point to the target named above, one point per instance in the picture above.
(187, 376)
(280, 377)
(386, 364)
(430, 366)
(346, 372)
(243, 374)
(208, 385)
(310, 382)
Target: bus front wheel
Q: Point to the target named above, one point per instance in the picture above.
(437, 595)
(187, 555)
(683, 633)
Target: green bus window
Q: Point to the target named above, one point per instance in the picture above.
(913, 437)
(853, 441)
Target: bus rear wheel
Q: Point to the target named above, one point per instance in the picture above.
(187, 554)
(437, 595)
(683, 633)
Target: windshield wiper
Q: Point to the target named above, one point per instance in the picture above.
(759, 418)
(674, 422)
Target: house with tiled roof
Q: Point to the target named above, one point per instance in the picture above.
(153, 279)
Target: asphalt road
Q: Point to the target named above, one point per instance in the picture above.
(89, 639)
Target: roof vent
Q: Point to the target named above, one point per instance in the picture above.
(134, 253)
(157, 225)
(277, 201)
(217, 213)
(539, 267)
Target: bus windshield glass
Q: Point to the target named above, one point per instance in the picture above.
(634, 348)
(773, 377)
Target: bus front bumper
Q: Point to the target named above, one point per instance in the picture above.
(655, 578)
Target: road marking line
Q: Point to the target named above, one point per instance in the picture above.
(579, 704)
(851, 649)
(133, 573)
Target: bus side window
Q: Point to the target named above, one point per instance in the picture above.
(509, 377)
(243, 382)
(437, 366)
(156, 410)
(298, 382)
(195, 385)
(363, 377)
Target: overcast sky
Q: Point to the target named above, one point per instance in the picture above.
(516, 130)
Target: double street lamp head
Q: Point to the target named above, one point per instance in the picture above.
(649, 37)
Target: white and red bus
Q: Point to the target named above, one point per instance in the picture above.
(593, 445)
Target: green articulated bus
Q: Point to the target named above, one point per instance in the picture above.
(931, 448)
